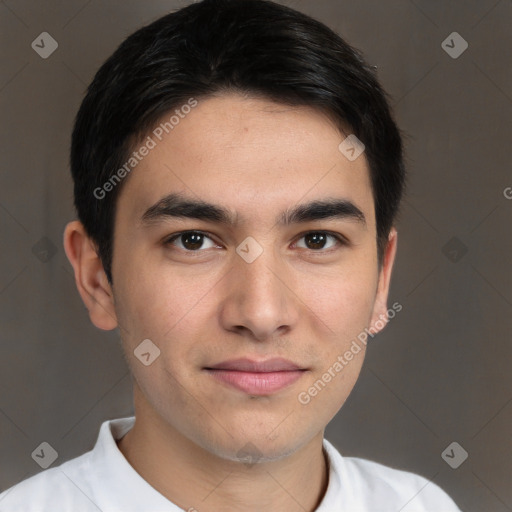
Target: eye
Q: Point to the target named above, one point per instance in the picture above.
(191, 241)
(316, 240)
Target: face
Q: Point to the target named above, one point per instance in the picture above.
(252, 289)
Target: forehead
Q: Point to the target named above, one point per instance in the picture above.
(253, 156)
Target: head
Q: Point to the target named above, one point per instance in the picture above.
(225, 118)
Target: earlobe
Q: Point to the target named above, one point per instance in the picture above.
(90, 278)
(380, 310)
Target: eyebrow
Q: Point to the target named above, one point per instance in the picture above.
(177, 205)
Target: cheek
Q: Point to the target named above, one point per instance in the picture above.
(153, 301)
(172, 309)
(343, 300)
(342, 309)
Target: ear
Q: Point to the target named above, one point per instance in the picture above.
(380, 309)
(91, 280)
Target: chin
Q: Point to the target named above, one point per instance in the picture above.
(251, 453)
(255, 447)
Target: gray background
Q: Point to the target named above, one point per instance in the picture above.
(440, 371)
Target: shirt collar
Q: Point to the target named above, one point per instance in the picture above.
(121, 488)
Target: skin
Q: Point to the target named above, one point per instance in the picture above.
(307, 305)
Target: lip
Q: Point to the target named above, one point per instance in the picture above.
(257, 377)
(276, 364)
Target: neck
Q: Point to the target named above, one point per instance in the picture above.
(197, 480)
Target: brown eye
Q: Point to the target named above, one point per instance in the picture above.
(318, 240)
(190, 240)
(315, 240)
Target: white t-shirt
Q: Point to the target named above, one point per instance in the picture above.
(102, 480)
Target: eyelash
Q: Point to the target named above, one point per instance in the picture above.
(341, 240)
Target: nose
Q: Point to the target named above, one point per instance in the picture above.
(260, 301)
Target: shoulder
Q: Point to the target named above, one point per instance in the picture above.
(365, 486)
(77, 484)
(382, 485)
(58, 488)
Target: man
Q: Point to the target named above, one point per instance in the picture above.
(237, 177)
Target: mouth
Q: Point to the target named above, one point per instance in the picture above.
(257, 377)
